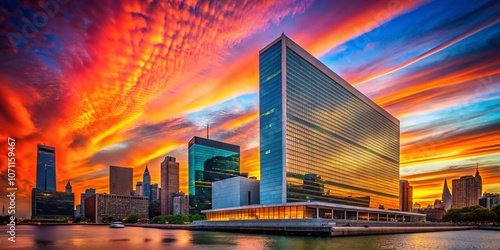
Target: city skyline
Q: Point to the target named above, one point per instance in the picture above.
(125, 89)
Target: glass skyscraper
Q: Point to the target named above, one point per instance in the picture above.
(46, 168)
(209, 161)
(321, 139)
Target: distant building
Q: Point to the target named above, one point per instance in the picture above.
(446, 197)
(405, 196)
(433, 214)
(99, 207)
(139, 189)
(69, 189)
(235, 192)
(88, 192)
(438, 204)
(146, 188)
(180, 203)
(416, 206)
(78, 212)
(46, 168)
(120, 180)
(489, 200)
(52, 205)
(154, 192)
(209, 161)
(467, 190)
(169, 183)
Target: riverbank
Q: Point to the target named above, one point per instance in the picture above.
(358, 231)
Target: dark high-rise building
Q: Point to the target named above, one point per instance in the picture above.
(146, 180)
(120, 180)
(46, 202)
(154, 192)
(209, 161)
(88, 192)
(405, 196)
(46, 168)
(467, 190)
(321, 139)
(69, 189)
(446, 197)
(169, 183)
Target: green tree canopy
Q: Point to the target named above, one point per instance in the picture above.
(471, 214)
(133, 218)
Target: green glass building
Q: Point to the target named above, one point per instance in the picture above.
(321, 139)
(209, 161)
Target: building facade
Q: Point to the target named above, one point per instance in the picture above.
(120, 180)
(51, 204)
(209, 161)
(235, 192)
(154, 192)
(321, 139)
(467, 190)
(139, 188)
(99, 207)
(489, 200)
(69, 189)
(180, 203)
(88, 192)
(146, 182)
(446, 196)
(46, 168)
(169, 183)
(405, 196)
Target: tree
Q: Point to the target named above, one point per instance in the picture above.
(133, 218)
(496, 210)
(470, 214)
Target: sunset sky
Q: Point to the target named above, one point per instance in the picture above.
(129, 82)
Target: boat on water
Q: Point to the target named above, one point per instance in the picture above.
(116, 224)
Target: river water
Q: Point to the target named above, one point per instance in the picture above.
(102, 237)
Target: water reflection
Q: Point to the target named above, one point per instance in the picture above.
(102, 237)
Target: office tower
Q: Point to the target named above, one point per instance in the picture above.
(46, 168)
(146, 188)
(51, 204)
(120, 180)
(467, 190)
(209, 161)
(169, 183)
(102, 206)
(139, 189)
(321, 139)
(180, 203)
(154, 192)
(88, 192)
(69, 189)
(446, 197)
(405, 196)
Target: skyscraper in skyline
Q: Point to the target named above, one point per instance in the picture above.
(46, 168)
(446, 197)
(154, 192)
(69, 189)
(405, 196)
(120, 180)
(88, 192)
(146, 182)
(139, 188)
(467, 190)
(321, 139)
(209, 161)
(169, 171)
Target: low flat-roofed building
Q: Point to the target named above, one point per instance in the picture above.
(99, 207)
(235, 192)
(52, 205)
(310, 210)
